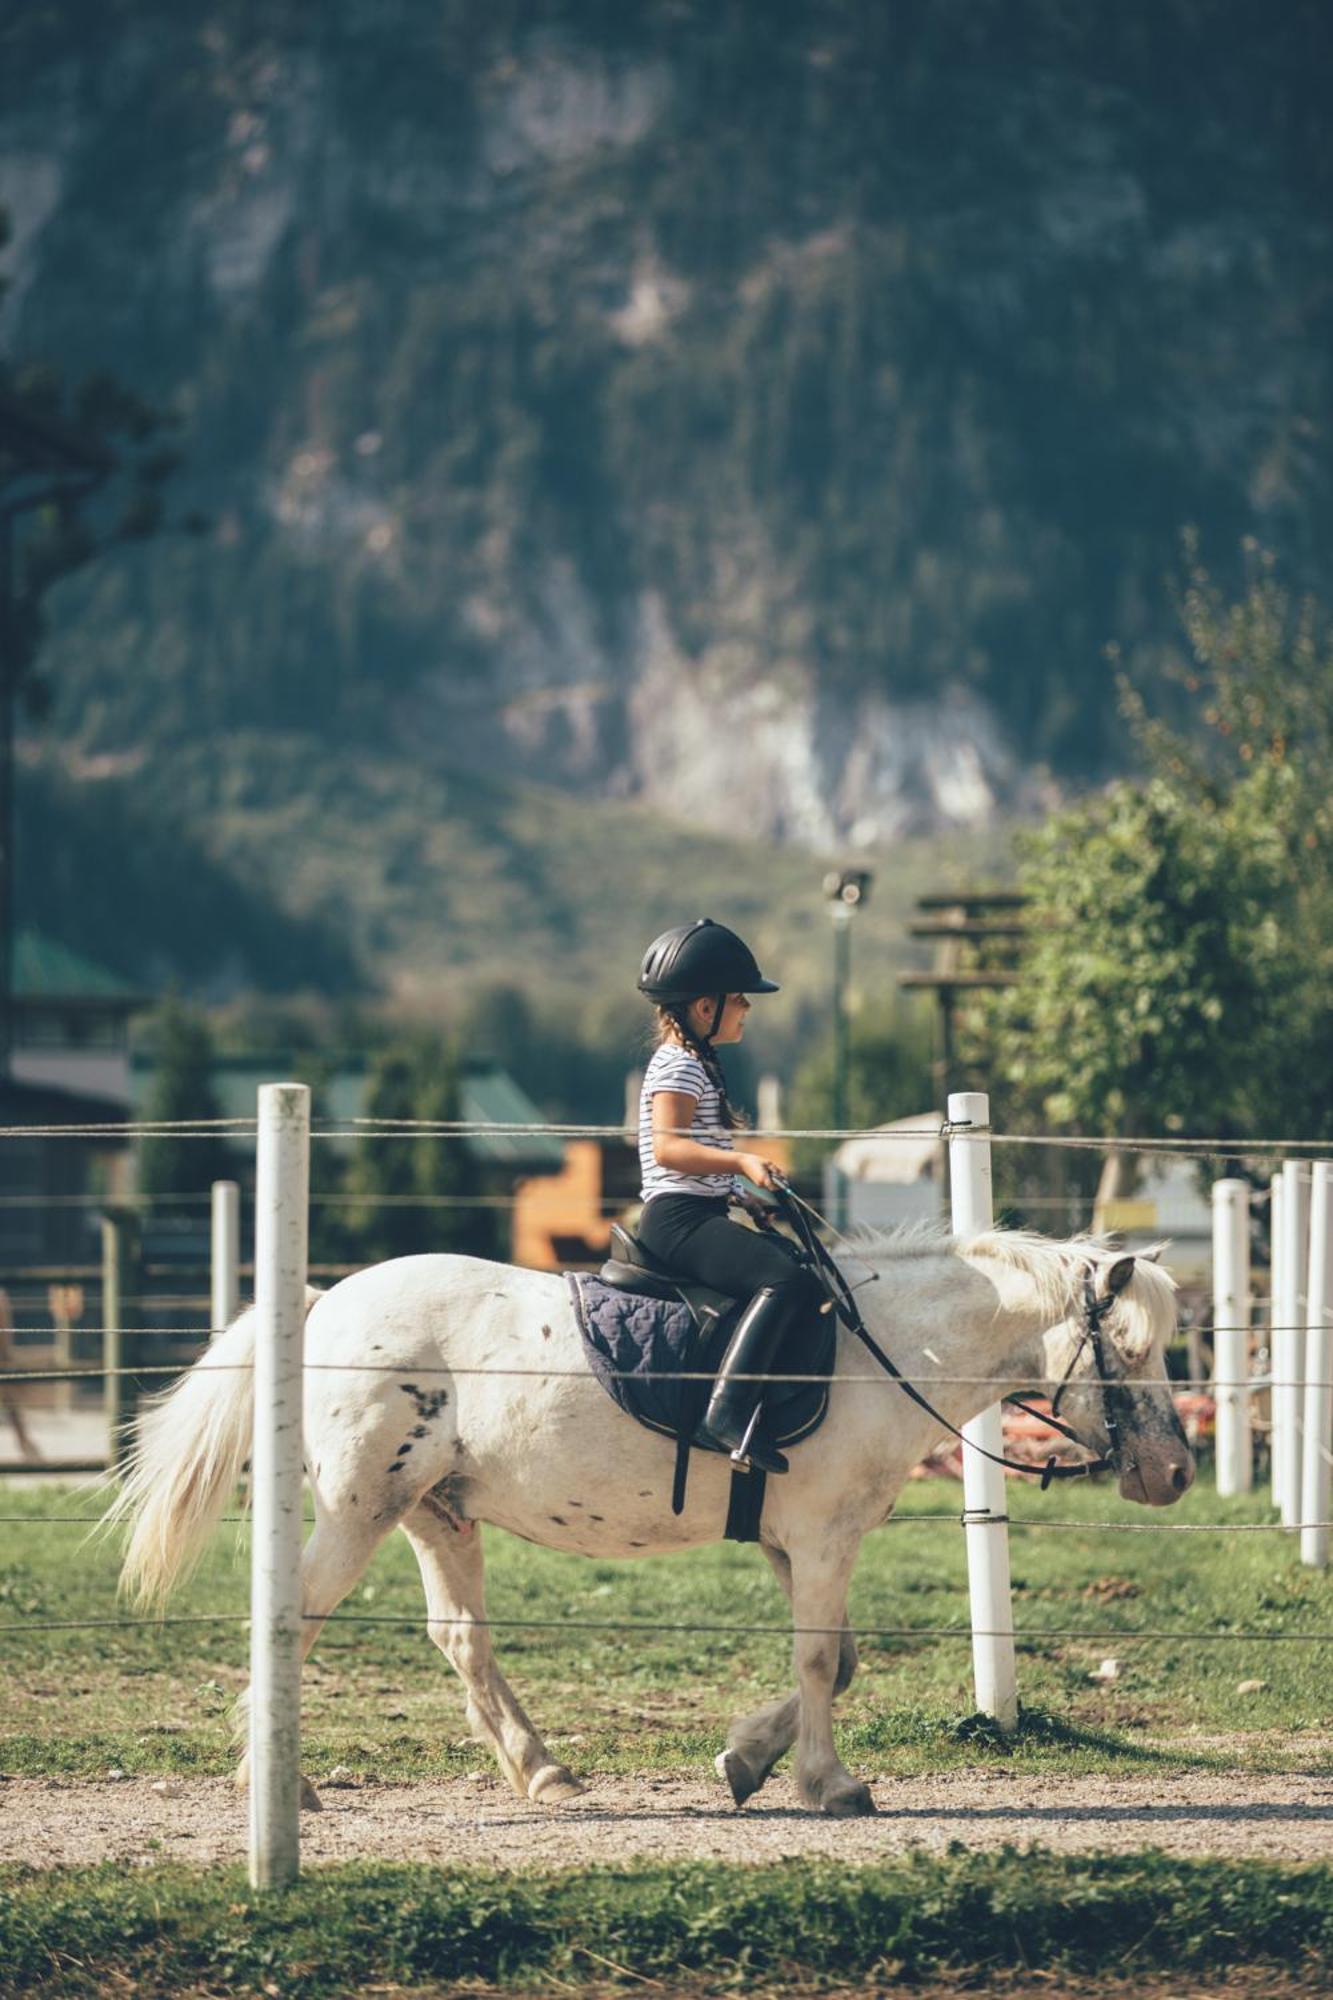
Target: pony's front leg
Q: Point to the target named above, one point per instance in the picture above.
(820, 1576)
(756, 1743)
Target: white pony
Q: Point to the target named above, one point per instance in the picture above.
(442, 1391)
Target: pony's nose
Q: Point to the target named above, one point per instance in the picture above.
(1182, 1477)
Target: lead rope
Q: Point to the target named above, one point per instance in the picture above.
(844, 1304)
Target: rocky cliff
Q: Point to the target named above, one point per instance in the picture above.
(766, 411)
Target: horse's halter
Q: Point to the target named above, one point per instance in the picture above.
(1095, 1310)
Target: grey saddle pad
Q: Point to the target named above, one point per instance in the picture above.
(639, 1348)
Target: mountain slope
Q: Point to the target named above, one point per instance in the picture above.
(338, 873)
(766, 412)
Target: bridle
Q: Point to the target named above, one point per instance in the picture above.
(1094, 1312)
(842, 1300)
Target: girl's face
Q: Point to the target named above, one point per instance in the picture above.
(734, 1011)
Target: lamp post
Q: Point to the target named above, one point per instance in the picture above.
(846, 889)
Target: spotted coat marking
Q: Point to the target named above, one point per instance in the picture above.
(426, 1402)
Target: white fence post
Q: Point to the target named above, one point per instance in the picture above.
(1315, 1483)
(226, 1255)
(1288, 1340)
(281, 1235)
(985, 1510)
(1231, 1334)
(1275, 1287)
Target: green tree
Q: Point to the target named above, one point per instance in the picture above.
(329, 1237)
(1161, 950)
(888, 1075)
(402, 1183)
(182, 1092)
(1176, 976)
(124, 445)
(570, 1061)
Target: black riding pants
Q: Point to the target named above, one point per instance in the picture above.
(691, 1233)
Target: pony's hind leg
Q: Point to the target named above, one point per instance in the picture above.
(452, 1571)
(333, 1559)
(756, 1743)
(821, 1573)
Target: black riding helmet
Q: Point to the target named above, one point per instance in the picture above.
(696, 960)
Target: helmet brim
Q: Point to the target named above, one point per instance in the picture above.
(666, 993)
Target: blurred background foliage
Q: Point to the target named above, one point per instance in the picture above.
(890, 348)
(1177, 974)
(889, 1075)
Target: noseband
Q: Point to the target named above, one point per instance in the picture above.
(843, 1302)
(1094, 1312)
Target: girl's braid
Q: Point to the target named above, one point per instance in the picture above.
(707, 1055)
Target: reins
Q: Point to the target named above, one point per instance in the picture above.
(843, 1302)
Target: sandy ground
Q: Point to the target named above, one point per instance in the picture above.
(57, 1434)
(46, 1821)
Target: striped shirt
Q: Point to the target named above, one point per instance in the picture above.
(676, 1069)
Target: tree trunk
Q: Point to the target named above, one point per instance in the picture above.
(1116, 1182)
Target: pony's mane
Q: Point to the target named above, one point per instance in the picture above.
(1051, 1265)
(903, 1240)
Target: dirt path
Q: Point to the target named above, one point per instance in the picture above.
(46, 1821)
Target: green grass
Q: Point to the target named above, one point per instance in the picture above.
(154, 1698)
(82, 1930)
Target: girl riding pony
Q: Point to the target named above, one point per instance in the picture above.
(700, 976)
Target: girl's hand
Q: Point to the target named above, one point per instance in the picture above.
(756, 1169)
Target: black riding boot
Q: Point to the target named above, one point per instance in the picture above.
(734, 1412)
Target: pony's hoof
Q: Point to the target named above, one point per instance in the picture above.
(553, 1785)
(854, 1802)
(732, 1767)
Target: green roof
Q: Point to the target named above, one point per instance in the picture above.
(491, 1097)
(45, 970)
(486, 1097)
(236, 1080)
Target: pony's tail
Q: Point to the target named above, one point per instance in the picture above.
(190, 1448)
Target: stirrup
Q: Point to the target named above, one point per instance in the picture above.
(745, 1457)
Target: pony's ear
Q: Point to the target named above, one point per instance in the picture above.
(1118, 1276)
(1154, 1252)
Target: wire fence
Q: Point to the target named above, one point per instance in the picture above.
(1180, 1146)
(1016, 1521)
(1176, 1146)
(1034, 1636)
(784, 1377)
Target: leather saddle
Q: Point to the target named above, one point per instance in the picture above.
(660, 1376)
(632, 1268)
